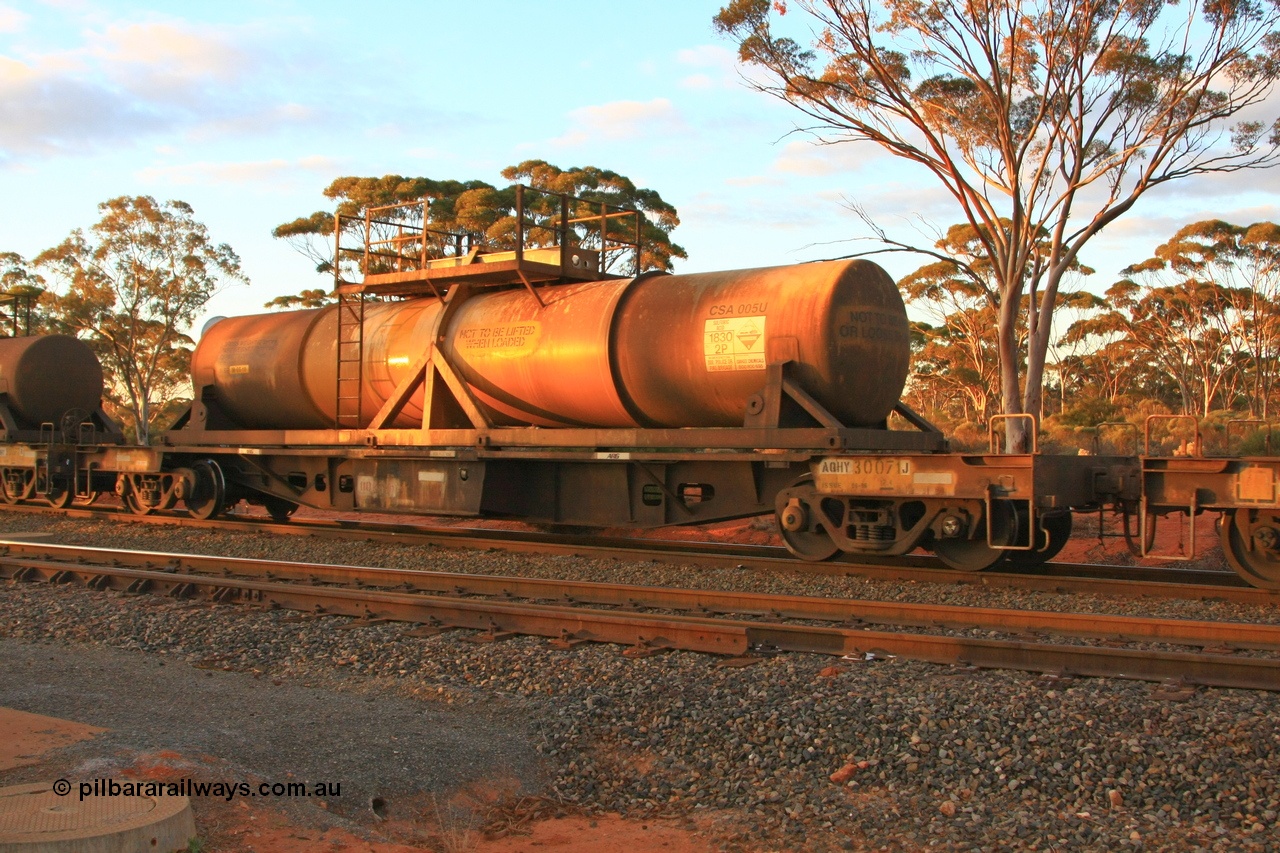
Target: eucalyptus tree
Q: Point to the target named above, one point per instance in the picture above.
(1183, 327)
(132, 287)
(23, 310)
(486, 214)
(959, 346)
(1038, 117)
(1245, 260)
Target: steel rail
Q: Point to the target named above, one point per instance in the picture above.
(693, 633)
(954, 617)
(1191, 584)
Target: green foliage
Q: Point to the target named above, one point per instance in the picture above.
(486, 213)
(317, 298)
(18, 276)
(131, 288)
(23, 306)
(1201, 317)
(600, 185)
(1091, 411)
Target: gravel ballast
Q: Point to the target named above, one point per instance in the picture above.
(922, 755)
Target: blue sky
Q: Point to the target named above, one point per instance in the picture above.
(248, 110)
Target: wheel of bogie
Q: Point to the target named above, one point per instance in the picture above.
(1251, 544)
(279, 509)
(1132, 537)
(974, 555)
(11, 493)
(1056, 524)
(59, 497)
(137, 505)
(208, 495)
(804, 525)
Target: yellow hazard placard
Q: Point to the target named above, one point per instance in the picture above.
(734, 343)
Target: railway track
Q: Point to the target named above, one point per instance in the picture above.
(1143, 581)
(740, 626)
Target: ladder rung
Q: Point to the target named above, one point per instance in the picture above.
(350, 355)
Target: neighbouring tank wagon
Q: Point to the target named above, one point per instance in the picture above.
(533, 382)
(46, 377)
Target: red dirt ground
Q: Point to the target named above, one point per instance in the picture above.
(25, 738)
(243, 826)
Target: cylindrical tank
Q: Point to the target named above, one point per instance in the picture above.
(691, 349)
(46, 376)
(655, 351)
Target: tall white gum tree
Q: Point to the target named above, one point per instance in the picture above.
(1045, 120)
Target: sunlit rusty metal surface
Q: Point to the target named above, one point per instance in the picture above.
(657, 351)
(695, 633)
(687, 352)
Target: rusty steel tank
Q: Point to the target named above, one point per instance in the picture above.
(654, 351)
(47, 376)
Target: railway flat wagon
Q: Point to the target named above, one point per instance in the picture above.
(532, 383)
(553, 381)
(1241, 484)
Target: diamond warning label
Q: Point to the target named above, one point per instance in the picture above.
(734, 343)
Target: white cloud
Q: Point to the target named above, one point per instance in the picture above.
(43, 111)
(698, 82)
(1227, 186)
(716, 68)
(711, 56)
(811, 158)
(253, 172)
(755, 181)
(11, 20)
(386, 130)
(125, 82)
(622, 120)
(723, 66)
(164, 56)
(1135, 236)
(913, 212)
(257, 119)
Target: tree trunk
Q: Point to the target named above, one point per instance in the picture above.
(143, 427)
(1016, 440)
